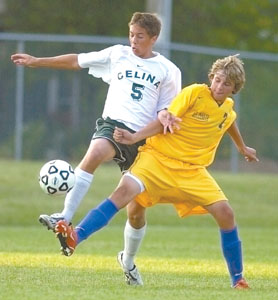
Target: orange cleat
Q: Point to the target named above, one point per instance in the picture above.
(241, 284)
(67, 237)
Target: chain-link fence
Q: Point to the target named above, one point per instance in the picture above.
(47, 114)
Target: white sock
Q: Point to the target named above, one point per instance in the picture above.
(82, 183)
(133, 238)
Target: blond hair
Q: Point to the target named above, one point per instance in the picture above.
(148, 21)
(232, 67)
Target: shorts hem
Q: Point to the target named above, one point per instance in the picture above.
(121, 159)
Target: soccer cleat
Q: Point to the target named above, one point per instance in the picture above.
(50, 221)
(132, 277)
(67, 237)
(241, 284)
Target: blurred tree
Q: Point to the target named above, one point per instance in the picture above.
(246, 25)
(86, 17)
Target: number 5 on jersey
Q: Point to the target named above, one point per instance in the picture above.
(137, 91)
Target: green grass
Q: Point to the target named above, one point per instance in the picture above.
(179, 258)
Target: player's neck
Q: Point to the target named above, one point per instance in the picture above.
(148, 55)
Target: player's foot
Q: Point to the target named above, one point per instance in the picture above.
(67, 237)
(241, 284)
(132, 277)
(50, 221)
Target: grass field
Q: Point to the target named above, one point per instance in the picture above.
(179, 258)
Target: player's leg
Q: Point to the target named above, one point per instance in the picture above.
(100, 150)
(223, 214)
(202, 187)
(230, 242)
(98, 217)
(147, 167)
(134, 232)
(133, 235)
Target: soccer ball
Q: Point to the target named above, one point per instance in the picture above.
(56, 177)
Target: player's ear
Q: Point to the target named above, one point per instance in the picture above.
(154, 38)
(234, 90)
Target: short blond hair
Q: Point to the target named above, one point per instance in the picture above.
(233, 68)
(148, 21)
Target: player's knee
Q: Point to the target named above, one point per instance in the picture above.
(228, 213)
(97, 155)
(91, 161)
(136, 220)
(136, 215)
(226, 217)
(223, 214)
(100, 150)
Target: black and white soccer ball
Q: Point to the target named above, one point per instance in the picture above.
(56, 177)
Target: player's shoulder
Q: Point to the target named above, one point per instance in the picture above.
(120, 48)
(116, 52)
(196, 88)
(229, 101)
(167, 63)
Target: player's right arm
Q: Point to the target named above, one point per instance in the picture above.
(67, 61)
(248, 152)
(165, 122)
(125, 137)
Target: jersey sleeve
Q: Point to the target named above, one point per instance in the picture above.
(98, 62)
(170, 88)
(182, 101)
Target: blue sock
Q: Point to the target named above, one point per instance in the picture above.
(96, 219)
(231, 247)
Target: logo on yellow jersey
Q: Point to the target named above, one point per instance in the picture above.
(201, 116)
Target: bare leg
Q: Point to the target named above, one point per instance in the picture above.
(100, 150)
(223, 214)
(230, 242)
(134, 232)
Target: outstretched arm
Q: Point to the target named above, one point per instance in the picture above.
(67, 61)
(248, 153)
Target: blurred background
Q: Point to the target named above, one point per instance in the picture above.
(48, 114)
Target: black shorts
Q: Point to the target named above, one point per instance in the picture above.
(125, 154)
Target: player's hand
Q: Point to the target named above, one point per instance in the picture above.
(169, 121)
(250, 154)
(23, 60)
(123, 136)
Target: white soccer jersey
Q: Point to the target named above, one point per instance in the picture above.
(139, 88)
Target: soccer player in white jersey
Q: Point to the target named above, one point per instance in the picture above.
(141, 83)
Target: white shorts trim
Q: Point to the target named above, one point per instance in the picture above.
(142, 187)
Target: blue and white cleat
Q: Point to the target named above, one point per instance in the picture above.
(50, 221)
(132, 277)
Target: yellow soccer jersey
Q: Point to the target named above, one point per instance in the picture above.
(203, 124)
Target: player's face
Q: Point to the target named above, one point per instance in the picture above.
(221, 87)
(141, 43)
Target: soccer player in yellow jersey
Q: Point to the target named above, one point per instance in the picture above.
(171, 168)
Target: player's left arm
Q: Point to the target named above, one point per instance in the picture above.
(248, 153)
